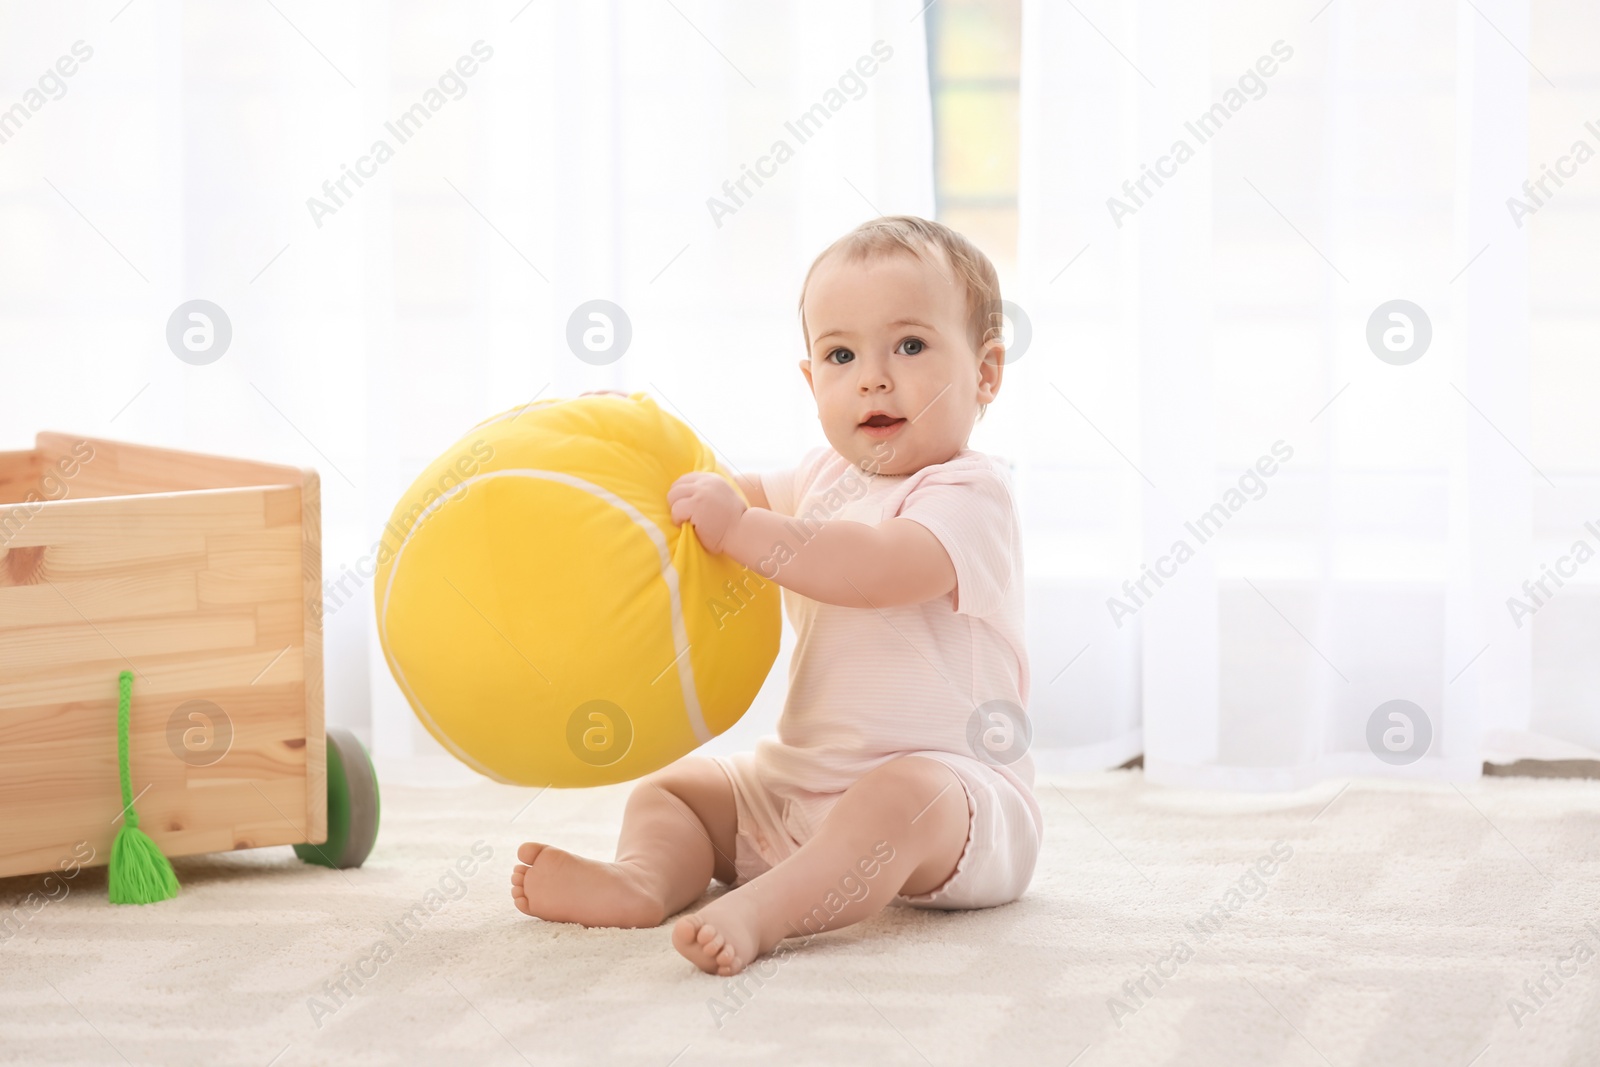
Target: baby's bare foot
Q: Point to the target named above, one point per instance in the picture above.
(724, 937)
(558, 886)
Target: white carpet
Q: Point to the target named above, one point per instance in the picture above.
(1395, 934)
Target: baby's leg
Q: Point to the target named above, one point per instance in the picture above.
(677, 831)
(912, 809)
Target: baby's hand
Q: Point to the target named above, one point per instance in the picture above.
(708, 501)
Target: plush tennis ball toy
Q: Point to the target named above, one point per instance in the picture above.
(547, 620)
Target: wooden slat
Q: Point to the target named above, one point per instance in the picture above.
(107, 559)
(145, 517)
(116, 468)
(257, 711)
(171, 673)
(44, 647)
(74, 770)
(190, 843)
(108, 598)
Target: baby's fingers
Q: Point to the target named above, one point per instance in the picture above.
(683, 507)
(685, 484)
(677, 494)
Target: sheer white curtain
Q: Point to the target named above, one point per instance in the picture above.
(563, 153)
(1201, 348)
(572, 155)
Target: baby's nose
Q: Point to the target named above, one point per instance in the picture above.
(874, 376)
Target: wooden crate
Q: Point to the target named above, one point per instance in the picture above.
(201, 575)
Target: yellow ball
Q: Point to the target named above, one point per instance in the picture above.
(547, 620)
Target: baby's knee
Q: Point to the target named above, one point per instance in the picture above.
(699, 783)
(904, 771)
(911, 783)
(693, 774)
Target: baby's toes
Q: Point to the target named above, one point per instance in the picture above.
(710, 941)
(688, 937)
(519, 895)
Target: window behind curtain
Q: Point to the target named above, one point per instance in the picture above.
(974, 60)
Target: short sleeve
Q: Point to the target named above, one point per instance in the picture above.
(970, 509)
(784, 488)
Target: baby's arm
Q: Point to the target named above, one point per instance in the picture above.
(851, 564)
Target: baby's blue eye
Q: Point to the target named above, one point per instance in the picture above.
(844, 354)
(911, 346)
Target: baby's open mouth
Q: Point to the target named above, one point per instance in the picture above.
(881, 425)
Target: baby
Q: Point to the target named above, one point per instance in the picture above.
(899, 768)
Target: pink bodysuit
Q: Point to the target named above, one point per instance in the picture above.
(946, 679)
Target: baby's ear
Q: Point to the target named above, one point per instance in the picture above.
(994, 351)
(991, 368)
(805, 369)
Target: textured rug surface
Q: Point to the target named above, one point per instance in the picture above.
(1359, 924)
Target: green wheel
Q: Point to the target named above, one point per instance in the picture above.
(352, 805)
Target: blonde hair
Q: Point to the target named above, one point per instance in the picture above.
(921, 238)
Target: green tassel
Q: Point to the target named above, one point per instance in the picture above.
(139, 873)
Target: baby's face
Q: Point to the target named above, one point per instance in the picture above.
(892, 367)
